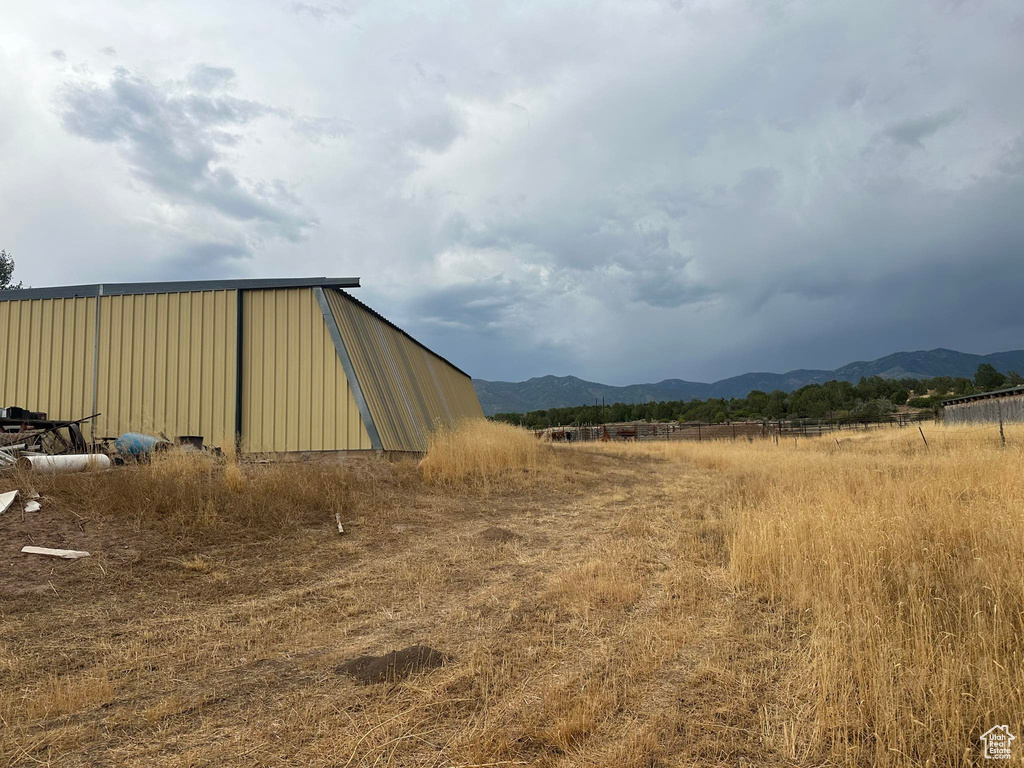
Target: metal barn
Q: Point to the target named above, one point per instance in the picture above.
(988, 407)
(272, 366)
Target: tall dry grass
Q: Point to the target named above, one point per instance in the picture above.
(197, 496)
(906, 565)
(591, 637)
(477, 451)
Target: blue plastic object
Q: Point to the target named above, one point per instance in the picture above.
(136, 444)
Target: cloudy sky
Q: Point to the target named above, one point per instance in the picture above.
(623, 191)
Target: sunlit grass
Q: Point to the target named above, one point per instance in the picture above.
(476, 450)
(905, 562)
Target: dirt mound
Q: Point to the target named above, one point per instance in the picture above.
(394, 666)
(496, 535)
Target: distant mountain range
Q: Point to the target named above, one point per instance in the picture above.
(564, 391)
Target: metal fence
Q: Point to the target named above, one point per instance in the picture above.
(700, 431)
(988, 408)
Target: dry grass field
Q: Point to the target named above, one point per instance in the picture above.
(903, 566)
(651, 604)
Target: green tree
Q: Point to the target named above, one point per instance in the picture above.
(942, 385)
(1014, 379)
(776, 404)
(7, 272)
(962, 386)
(987, 377)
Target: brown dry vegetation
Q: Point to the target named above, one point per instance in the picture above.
(904, 563)
(481, 453)
(601, 605)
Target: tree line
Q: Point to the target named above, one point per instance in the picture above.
(7, 272)
(870, 398)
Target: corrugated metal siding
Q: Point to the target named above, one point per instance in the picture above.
(294, 391)
(47, 356)
(167, 364)
(1009, 408)
(407, 388)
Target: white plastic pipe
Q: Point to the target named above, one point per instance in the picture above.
(73, 463)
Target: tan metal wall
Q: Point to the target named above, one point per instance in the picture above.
(295, 394)
(167, 364)
(46, 350)
(408, 389)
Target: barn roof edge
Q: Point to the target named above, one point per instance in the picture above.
(984, 395)
(175, 286)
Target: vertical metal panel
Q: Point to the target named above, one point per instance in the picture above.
(408, 389)
(162, 344)
(239, 344)
(46, 354)
(167, 364)
(96, 350)
(296, 396)
(1009, 408)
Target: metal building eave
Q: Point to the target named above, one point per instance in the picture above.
(346, 364)
(181, 286)
(984, 396)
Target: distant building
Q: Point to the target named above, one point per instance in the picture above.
(273, 366)
(986, 408)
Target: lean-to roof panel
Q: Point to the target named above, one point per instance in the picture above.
(408, 389)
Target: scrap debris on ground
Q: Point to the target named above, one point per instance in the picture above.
(65, 554)
(33, 442)
(6, 500)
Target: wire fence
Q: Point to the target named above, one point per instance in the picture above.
(735, 430)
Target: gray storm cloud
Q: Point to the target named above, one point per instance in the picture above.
(174, 143)
(696, 189)
(914, 130)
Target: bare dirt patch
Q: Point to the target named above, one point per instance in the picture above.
(107, 543)
(497, 535)
(394, 666)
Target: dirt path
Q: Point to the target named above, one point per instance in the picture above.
(594, 625)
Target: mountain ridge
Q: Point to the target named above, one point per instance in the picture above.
(549, 391)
